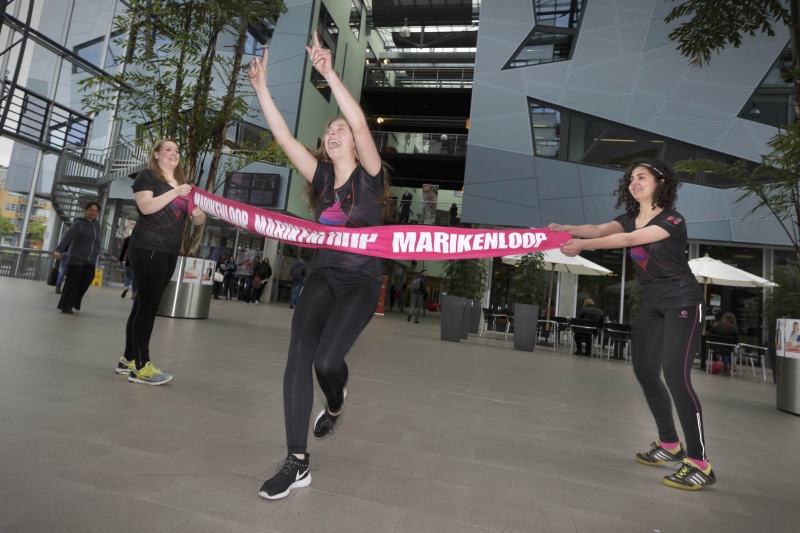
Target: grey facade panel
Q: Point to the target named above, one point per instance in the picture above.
(499, 213)
(658, 36)
(724, 68)
(563, 211)
(610, 34)
(617, 76)
(508, 133)
(550, 73)
(613, 106)
(643, 109)
(511, 80)
(680, 110)
(591, 52)
(546, 93)
(597, 17)
(709, 231)
(598, 181)
(704, 204)
(482, 166)
(720, 98)
(660, 78)
(630, 16)
(557, 179)
(639, 5)
(521, 12)
(633, 37)
(739, 139)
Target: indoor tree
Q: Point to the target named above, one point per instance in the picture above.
(176, 84)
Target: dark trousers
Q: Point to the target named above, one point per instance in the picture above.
(333, 308)
(255, 293)
(583, 340)
(79, 278)
(668, 338)
(152, 271)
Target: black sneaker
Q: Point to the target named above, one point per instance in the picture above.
(292, 473)
(124, 293)
(689, 477)
(658, 455)
(325, 423)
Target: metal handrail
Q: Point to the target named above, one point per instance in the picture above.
(421, 143)
(419, 77)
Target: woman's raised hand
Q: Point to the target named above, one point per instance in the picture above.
(183, 190)
(321, 58)
(258, 71)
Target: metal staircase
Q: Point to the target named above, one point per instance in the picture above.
(80, 172)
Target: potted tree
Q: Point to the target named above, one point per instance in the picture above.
(177, 84)
(465, 282)
(527, 292)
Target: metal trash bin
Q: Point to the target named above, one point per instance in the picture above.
(185, 300)
(788, 394)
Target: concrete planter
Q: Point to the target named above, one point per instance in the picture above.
(526, 319)
(452, 317)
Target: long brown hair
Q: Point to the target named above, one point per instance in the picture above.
(322, 155)
(727, 322)
(152, 164)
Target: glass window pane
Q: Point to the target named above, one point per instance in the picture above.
(546, 123)
(558, 13)
(543, 47)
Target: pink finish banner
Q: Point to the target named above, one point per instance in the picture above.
(396, 242)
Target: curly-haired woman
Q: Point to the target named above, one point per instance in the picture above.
(667, 331)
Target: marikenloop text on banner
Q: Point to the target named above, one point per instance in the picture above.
(395, 242)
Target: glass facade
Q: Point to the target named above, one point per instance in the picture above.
(553, 37)
(572, 136)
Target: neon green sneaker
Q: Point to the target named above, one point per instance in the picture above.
(124, 366)
(149, 375)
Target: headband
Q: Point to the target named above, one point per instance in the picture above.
(651, 167)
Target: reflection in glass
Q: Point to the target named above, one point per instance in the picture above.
(558, 13)
(546, 123)
(543, 47)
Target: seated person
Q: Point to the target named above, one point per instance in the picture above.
(725, 327)
(589, 311)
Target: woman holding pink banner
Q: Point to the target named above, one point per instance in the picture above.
(668, 328)
(162, 201)
(347, 187)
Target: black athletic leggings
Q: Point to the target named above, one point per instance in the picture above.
(333, 308)
(152, 271)
(668, 338)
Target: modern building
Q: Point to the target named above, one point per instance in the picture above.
(520, 120)
(567, 94)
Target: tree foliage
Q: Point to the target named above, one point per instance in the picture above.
(175, 83)
(710, 25)
(465, 277)
(6, 226)
(527, 285)
(36, 231)
(774, 184)
(785, 301)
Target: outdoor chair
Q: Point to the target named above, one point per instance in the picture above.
(621, 334)
(752, 354)
(586, 327)
(718, 344)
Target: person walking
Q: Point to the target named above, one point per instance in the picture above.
(668, 329)
(419, 294)
(129, 283)
(260, 274)
(230, 277)
(83, 241)
(347, 187)
(220, 268)
(160, 192)
(298, 274)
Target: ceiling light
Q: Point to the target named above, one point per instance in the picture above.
(404, 31)
(754, 110)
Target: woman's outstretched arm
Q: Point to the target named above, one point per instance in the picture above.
(368, 154)
(300, 157)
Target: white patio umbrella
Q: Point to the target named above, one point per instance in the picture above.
(556, 261)
(710, 271)
(714, 272)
